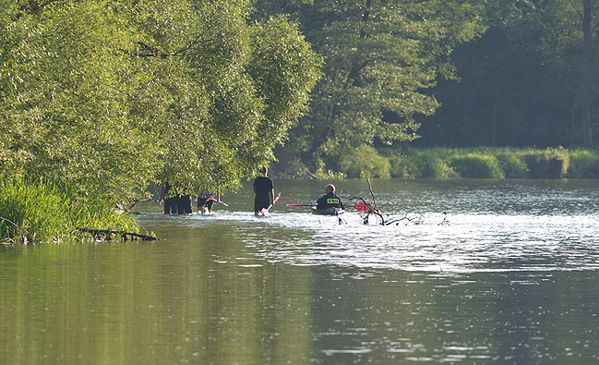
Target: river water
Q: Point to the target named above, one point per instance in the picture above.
(509, 277)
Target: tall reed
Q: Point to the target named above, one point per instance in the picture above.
(47, 212)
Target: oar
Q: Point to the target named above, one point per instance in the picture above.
(274, 201)
(222, 202)
(299, 205)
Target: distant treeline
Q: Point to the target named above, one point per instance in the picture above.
(454, 163)
(524, 82)
(448, 73)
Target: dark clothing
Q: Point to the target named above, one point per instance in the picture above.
(329, 201)
(263, 188)
(170, 206)
(206, 200)
(184, 206)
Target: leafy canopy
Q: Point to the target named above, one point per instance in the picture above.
(111, 95)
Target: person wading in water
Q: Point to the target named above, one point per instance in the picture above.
(264, 190)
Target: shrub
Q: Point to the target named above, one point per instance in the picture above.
(430, 165)
(365, 161)
(402, 167)
(46, 212)
(477, 165)
(584, 164)
(512, 165)
(551, 163)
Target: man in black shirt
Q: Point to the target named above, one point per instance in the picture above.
(264, 190)
(330, 200)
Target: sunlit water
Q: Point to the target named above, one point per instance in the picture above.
(507, 276)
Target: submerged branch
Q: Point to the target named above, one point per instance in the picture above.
(367, 209)
(109, 235)
(24, 239)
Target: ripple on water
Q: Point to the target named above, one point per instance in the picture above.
(470, 243)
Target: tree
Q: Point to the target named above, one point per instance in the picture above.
(587, 130)
(63, 107)
(111, 95)
(380, 57)
(520, 83)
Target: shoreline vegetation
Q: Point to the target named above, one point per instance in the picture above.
(454, 163)
(44, 211)
(32, 212)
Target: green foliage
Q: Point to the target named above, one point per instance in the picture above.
(365, 161)
(432, 165)
(480, 162)
(49, 213)
(584, 164)
(548, 163)
(110, 96)
(477, 165)
(380, 58)
(520, 82)
(402, 167)
(512, 165)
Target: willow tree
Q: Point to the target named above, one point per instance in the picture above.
(110, 95)
(64, 106)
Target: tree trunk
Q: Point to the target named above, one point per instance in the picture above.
(587, 130)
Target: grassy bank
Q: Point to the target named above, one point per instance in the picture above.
(44, 212)
(482, 162)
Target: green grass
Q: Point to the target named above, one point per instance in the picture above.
(46, 212)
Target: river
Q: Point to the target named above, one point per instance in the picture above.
(509, 277)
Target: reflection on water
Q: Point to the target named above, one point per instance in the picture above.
(511, 280)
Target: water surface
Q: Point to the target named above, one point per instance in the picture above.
(510, 280)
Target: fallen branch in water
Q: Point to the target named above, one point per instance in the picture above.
(367, 209)
(109, 235)
(24, 239)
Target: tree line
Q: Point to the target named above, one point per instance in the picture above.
(529, 80)
(445, 73)
(111, 95)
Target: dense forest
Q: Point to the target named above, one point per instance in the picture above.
(430, 73)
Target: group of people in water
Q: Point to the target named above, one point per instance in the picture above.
(175, 201)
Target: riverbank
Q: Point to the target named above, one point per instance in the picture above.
(455, 163)
(46, 212)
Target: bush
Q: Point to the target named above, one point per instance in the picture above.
(477, 165)
(432, 166)
(512, 165)
(584, 164)
(551, 163)
(365, 161)
(402, 167)
(46, 212)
